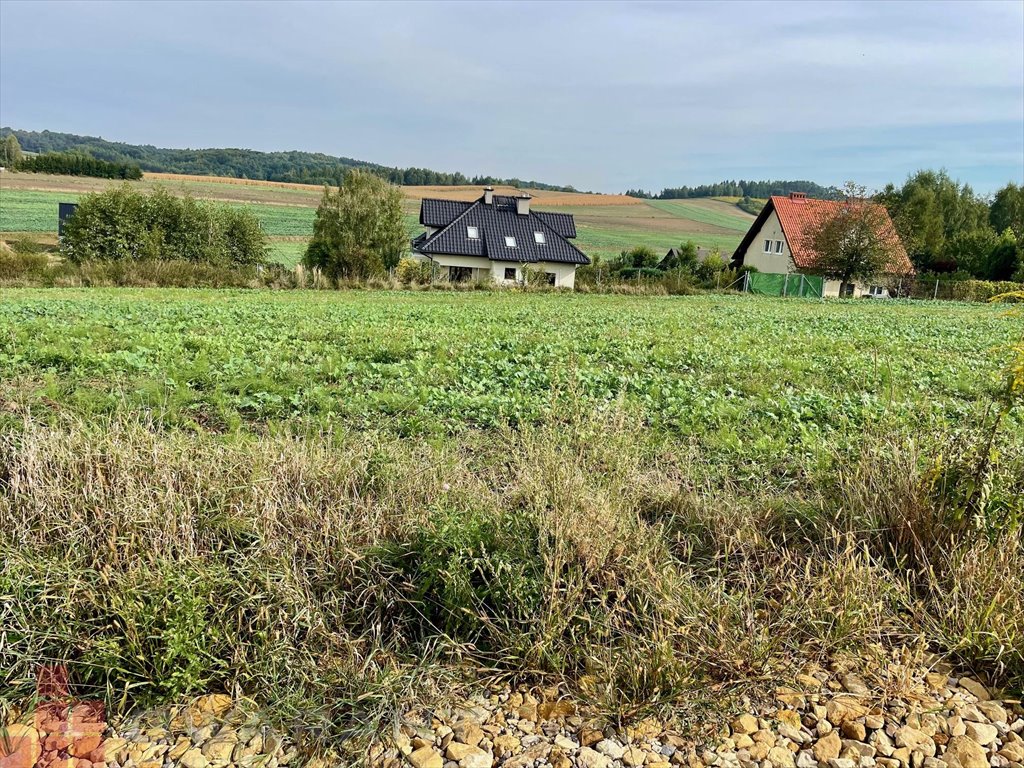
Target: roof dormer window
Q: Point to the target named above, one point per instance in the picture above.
(473, 233)
(510, 242)
(539, 237)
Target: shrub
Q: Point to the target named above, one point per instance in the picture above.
(410, 270)
(123, 224)
(684, 258)
(639, 257)
(21, 264)
(982, 290)
(633, 273)
(750, 205)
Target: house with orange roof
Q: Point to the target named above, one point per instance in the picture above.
(776, 242)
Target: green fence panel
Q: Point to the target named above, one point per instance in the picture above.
(770, 284)
(812, 286)
(766, 284)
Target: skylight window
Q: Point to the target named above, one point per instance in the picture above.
(539, 237)
(510, 242)
(473, 233)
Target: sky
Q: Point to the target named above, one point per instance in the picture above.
(604, 96)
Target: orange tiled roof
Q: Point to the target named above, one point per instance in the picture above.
(796, 213)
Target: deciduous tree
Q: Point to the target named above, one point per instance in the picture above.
(1007, 211)
(935, 215)
(854, 242)
(10, 151)
(358, 230)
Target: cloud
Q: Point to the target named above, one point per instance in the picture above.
(601, 95)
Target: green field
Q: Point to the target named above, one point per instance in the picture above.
(287, 215)
(342, 503)
(30, 210)
(24, 210)
(704, 211)
(744, 377)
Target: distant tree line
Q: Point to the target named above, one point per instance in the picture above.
(295, 167)
(76, 164)
(756, 189)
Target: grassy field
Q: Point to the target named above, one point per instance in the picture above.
(606, 224)
(442, 361)
(338, 501)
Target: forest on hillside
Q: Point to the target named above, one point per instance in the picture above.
(741, 188)
(290, 166)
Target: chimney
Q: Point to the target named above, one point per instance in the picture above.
(488, 195)
(523, 204)
(798, 196)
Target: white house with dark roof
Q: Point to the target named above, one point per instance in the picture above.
(499, 238)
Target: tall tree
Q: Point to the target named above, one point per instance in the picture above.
(934, 216)
(358, 230)
(1007, 211)
(854, 242)
(10, 151)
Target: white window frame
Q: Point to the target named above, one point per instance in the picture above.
(778, 246)
(538, 237)
(473, 233)
(515, 274)
(767, 246)
(510, 241)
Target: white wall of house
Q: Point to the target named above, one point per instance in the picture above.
(831, 288)
(772, 261)
(485, 269)
(481, 266)
(565, 274)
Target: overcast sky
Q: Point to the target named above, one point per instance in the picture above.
(604, 96)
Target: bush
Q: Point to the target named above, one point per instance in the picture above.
(709, 271)
(410, 270)
(634, 273)
(684, 258)
(21, 266)
(640, 257)
(750, 205)
(982, 290)
(123, 224)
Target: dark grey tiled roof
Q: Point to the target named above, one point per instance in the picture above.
(440, 213)
(562, 223)
(495, 222)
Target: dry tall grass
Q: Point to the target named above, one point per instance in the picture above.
(332, 575)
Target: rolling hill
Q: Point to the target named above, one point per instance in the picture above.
(606, 224)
